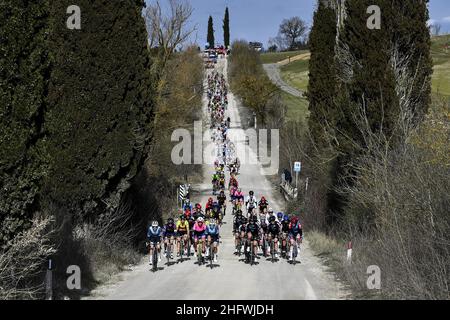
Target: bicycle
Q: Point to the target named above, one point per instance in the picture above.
(211, 254)
(199, 251)
(154, 256)
(168, 251)
(295, 252)
(272, 249)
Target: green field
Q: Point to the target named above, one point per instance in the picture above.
(441, 60)
(296, 74)
(274, 57)
(297, 108)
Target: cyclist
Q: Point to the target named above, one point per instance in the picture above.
(263, 204)
(154, 235)
(269, 214)
(273, 231)
(222, 200)
(212, 232)
(209, 205)
(169, 236)
(222, 182)
(182, 230)
(295, 234)
(238, 221)
(233, 182)
(253, 232)
(199, 233)
(251, 202)
(215, 179)
(284, 232)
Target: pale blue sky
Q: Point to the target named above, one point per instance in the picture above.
(258, 20)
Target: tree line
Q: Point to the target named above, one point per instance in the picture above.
(373, 177)
(85, 119)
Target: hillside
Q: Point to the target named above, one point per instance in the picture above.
(296, 73)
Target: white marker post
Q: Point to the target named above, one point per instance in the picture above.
(297, 169)
(48, 282)
(349, 252)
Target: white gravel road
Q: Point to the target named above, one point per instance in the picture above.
(230, 278)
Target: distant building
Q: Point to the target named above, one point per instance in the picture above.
(258, 46)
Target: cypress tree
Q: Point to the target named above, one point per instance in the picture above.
(372, 85)
(24, 69)
(100, 116)
(226, 29)
(210, 37)
(411, 37)
(322, 77)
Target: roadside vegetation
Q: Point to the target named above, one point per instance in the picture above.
(375, 179)
(249, 82)
(86, 119)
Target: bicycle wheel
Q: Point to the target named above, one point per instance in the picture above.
(272, 249)
(199, 253)
(210, 256)
(181, 248)
(168, 252)
(155, 259)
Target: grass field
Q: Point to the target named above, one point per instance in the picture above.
(441, 60)
(296, 73)
(297, 108)
(274, 57)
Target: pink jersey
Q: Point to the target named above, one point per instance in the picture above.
(198, 228)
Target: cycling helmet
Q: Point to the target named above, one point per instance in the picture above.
(198, 205)
(245, 220)
(170, 220)
(270, 210)
(182, 217)
(263, 199)
(272, 219)
(239, 212)
(251, 193)
(154, 223)
(212, 221)
(294, 220)
(280, 215)
(210, 199)
(254, 218)
(286, 217)
(200, 219)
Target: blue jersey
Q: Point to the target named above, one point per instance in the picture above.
(154, 232)
(212, 230)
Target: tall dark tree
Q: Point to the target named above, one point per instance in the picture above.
(322, 75)
(24, 66)
(226, 29)
(412, 63)
(210, 36)
(100, 108)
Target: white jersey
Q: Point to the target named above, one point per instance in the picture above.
(251, 201)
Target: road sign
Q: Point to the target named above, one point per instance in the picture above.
(297, 166)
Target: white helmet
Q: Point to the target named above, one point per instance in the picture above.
(200, 219)
(155, 223)
(212, 221)
(270, 210)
